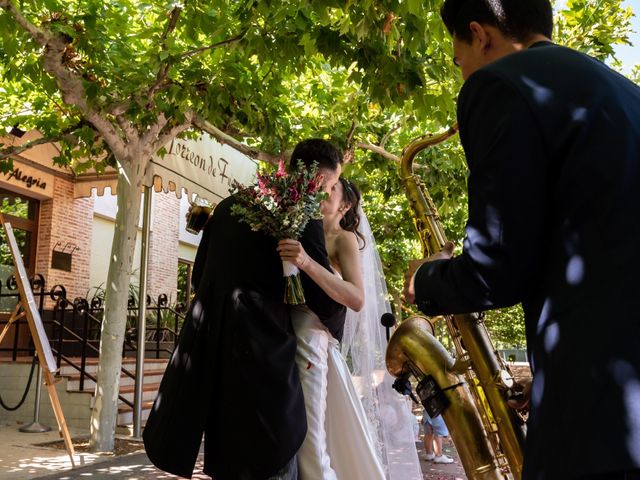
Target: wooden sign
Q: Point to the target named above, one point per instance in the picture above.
(28, 303)
(28, 180)
(29, 309)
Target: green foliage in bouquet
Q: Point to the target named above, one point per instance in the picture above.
(281, 204)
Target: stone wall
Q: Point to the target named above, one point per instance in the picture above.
(76, 406)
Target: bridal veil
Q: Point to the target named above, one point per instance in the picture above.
(363, 346)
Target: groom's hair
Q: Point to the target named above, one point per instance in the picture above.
(316, 150)
(516, 19)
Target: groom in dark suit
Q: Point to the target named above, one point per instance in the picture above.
(233, 374)
(552, 140)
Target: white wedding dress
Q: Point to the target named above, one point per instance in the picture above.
(366, 430)
(338, 445)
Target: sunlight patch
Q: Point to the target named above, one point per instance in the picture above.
(579, 114)
(575, 270)
(626, 376)
(545, 313)
(537, 388)
(632, 403)
(540, 93)
(551, 337)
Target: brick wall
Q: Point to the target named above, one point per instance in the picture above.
(66, 220)
(163, 246)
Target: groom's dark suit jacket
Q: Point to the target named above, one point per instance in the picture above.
(233, 374)
(552, 139)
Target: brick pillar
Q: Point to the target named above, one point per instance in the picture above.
(163, 247)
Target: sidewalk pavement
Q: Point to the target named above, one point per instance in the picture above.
(22, 459)
(137, 466)
(134, 466)
(436, 471)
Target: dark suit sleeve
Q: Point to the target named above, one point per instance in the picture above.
(507, 203)
(318, 301)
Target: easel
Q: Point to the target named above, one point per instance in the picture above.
(43, 349)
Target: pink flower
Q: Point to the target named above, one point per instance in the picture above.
(295, 195)
(281, 171)
(262, 184)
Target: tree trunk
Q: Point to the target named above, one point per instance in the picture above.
(105, 411)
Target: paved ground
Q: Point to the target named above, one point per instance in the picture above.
(137, 467)
(434, 471)
(22, 459)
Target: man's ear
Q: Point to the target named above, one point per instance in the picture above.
(480, 37)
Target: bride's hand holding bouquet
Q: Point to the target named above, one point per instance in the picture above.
(292, 251)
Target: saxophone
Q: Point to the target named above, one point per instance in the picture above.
(471, 390)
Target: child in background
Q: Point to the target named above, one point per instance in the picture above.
(434, 430)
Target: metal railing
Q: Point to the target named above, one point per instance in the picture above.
(73, 327)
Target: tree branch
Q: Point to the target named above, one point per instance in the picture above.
(164, 70)
(225, 139)
(387, 135)
(128, 129)
(18, 149)
(165, 136)
(352, 130)
(69, 82)
(264, 77)
(379, 150)
(171, 25)
(73, 92)
(191, 53)
(154, 130)
(119, 108)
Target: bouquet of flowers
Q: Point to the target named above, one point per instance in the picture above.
(281, 204)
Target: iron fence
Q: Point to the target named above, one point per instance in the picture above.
(73, 327)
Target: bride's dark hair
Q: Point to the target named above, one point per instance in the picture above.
(351, 219)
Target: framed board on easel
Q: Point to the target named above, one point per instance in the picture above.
(26, 307)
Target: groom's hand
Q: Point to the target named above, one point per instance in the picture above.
(521, 400)
(409, 291)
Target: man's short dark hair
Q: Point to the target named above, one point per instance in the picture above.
(318, 150)
(516, 19)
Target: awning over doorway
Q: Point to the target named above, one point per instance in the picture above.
(202, 166)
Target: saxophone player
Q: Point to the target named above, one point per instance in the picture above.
(552, 141)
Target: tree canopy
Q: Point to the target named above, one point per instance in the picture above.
(246, 67)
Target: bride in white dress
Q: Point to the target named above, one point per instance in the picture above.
(363, 433)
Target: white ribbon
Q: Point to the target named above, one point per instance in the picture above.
(289, 268)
